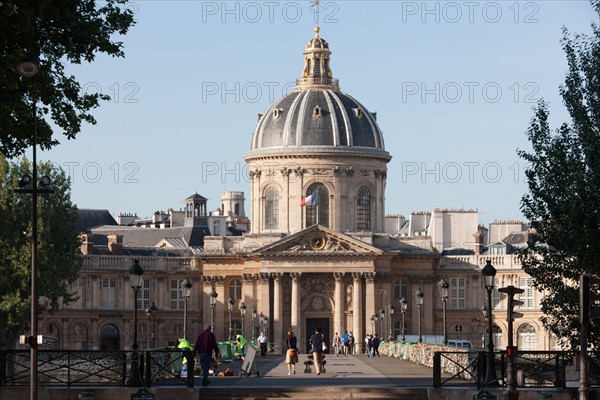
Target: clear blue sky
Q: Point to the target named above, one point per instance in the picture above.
(453, 84)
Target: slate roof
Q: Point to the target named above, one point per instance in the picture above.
(149, 237)
(90, 218)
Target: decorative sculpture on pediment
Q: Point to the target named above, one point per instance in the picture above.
(301, 244)
(270, 172)
(321, 171)
(334, 245)
(286, 172)
(365, 172)
(299, 171)
(337, 171)
(350, 171)
(380, 173)
(254, 173)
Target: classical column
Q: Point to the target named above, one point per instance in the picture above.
(264, 300)
(277, 312)
(295, 317)
(220, 330)
(356, 312)
(338, 316)
(370, 307)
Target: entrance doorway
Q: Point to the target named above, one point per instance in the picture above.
(311, 324)
(109, 338)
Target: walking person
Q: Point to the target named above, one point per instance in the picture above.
(369, 345)
(351, 341)
(206, 345)
(346, 343)
(316, 343)
(376, 342)
(262, 341)
(337, 344)
(291, 356)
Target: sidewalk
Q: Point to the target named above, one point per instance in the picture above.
(355, 370)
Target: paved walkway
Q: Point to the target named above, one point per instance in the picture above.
(355, 370)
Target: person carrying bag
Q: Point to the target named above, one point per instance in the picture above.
(291, 356)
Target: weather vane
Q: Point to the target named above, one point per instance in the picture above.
(316, 3)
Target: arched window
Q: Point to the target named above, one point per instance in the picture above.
(317, 67)
(497, 334)
(527, 337)
(363, 208)
(271, 208)
(322, 207)
(235, 289)
(236, 209)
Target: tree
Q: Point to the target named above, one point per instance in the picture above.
(52, 32)
(59, 258)
(563, 202)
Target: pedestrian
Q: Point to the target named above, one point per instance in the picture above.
(346, 343)
(291, 356)
(262, 342)
(337, 344)
(369, 345)
(376, 342)
(316, 343)
(206, 345)
(351, 342)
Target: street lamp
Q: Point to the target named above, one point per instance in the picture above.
(489, 272)
(28, 69)
(403, 308)
(419, 298)
(243, 314)
(443, 286)
(381, 318)
(186, 291)
(135, 278)
(391, 311)
(152, 312)
(230, 302)
(213, 302)
(253, 324)
(484, 310)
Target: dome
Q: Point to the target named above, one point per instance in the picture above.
(317, 116)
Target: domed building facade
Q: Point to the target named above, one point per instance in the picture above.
(321, 142)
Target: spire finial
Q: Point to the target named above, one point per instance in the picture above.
(317, 30)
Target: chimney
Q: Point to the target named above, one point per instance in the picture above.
(87, 243)
(115, 243)
(479, 235)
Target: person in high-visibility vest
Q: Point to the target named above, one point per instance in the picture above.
(240, 347)
(185, 346)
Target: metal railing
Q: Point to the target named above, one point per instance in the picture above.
(95, 367)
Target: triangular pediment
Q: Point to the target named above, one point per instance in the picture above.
(318, 239)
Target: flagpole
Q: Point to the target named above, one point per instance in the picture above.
(317, 199)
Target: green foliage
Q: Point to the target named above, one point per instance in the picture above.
(59, 259)
(563, 202)
(53, 32)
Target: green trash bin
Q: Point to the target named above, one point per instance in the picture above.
(226, 351)
(176, 359)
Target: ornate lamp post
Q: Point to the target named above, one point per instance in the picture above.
(484, 310)
(419, 298)
(243, 314)
(443, 286)
(381, 318)
(152, 312)
(253, 323)
(213, 302)
(135, 277)
(186, 291)
(489, 272)
(230, 302)
(403, 308)
(391, 311)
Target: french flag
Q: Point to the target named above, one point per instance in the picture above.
(309, 201)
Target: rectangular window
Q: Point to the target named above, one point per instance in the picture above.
(109, 293)
(176, 295)
(216, 227)
(143, 295)
(457, 293)
(527, 297)
(495, 293)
